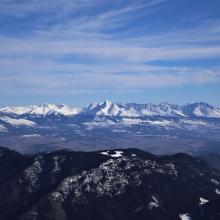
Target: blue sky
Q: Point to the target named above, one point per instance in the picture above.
(78, 51)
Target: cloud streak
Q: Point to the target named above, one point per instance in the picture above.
(90, 82)
(110, 45)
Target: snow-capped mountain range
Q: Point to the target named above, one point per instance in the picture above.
(152, 126)
(108, 108)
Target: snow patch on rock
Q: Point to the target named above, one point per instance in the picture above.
(203, 201)
(217, 191)
(115, 154)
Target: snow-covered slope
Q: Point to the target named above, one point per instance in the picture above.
(41, 110)
(17, 122)
(108, 108)
(18, 110)
(201, 109)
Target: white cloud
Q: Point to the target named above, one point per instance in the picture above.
(88, 82)
(101, 59)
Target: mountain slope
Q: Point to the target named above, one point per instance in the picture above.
(114, 184)
(108, 108)
(201, 110)
(40, 110)
(213, 159)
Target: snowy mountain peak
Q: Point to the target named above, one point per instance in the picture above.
(108, 108)
(107, 103)
(201, 109)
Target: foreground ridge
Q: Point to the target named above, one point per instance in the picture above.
(110, 184)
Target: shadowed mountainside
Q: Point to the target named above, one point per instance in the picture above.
(105, 185)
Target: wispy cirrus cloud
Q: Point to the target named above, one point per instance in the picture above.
(113, 45)
(82, 81)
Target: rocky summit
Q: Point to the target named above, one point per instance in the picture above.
(107, 185)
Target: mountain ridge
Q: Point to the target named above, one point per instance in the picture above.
(108, 108)
(107, 185)
(158, 128)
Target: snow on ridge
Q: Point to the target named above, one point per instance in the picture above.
(18, 122)
(115, 154)
(105, 153)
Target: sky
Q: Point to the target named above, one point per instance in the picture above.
(78, 51)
